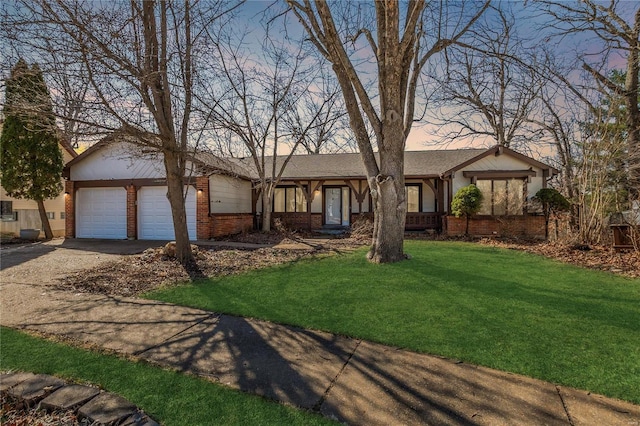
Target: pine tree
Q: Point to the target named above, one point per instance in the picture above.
(31, 161)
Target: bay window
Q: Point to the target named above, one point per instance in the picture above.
(502, 197)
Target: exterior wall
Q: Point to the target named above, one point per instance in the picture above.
(203, 218)
(223, 225)
(428, 197)
(120, 161)
(503, 226)
(317, 203)
(296, 221)
(229, 195)
(132, 212)
(70, 210)
(500, 162)
(27, 210)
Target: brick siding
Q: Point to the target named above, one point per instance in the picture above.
(69, 210)
(296, 221)
(225, 224)
(132, 212)
(203, 218)
(503, 226)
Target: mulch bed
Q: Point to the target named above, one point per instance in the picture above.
(603, 258)
(137, 274)
(15, 413)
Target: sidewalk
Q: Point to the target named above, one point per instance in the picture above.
(346, 379)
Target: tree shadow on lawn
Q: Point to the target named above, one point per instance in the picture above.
(343, 378)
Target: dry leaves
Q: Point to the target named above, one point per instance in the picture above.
(604, 258)
(137, 274)
(14, 413)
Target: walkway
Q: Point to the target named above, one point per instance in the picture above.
(346, 379)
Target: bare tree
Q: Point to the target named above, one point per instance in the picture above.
(399, 46)
(490, 90)
(560, 117)
(331, 133)
(615, 30)
(139, 58)
(266, 106)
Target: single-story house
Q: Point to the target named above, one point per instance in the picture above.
(17, 214)
(117, 190)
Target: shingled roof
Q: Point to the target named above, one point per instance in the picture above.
(329, 166)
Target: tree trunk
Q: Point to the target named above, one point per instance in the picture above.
(46, 226)
(633, 117)
(266, 213)
(267, 196)
(176, 195)
(546, 227)
(466, 229)
(390, 207)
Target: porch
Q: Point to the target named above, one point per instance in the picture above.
(415, 221)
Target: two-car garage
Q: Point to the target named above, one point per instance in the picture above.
(154, 213)
(102, 213)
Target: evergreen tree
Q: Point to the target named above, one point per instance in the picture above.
(31, 161)
(466, 202)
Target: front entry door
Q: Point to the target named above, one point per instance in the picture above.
(336, 205)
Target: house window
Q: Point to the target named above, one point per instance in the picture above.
(62, 215)
(413, 195)
(51, 215)
(289, 199)
(502, 197)
(6, 211)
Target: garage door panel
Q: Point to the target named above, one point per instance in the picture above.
(101, 213)
(154, 214)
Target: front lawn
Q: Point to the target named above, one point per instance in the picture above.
(169, 397)
(500, 308)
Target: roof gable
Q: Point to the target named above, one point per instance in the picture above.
(500, 150)
(204, 162)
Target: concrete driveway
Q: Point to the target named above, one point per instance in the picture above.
(14, 255)
(29, 272)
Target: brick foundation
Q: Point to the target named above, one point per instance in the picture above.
(132, 212)
(223, 224)
(296, 221)
(203, 218)
(503, 226)
(69, 210)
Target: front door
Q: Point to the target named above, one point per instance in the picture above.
(336, 205)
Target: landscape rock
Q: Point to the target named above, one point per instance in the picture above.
(107, 408)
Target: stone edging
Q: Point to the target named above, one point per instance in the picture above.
(51, 393)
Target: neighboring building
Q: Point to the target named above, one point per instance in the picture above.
(117, 190)
(20, 214)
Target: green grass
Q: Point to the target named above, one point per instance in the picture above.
(167, 396)
(500, 308)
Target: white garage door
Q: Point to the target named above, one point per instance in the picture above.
(101, 213)
(154, 214)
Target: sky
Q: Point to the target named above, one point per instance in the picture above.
(529, 25)
(251, 17)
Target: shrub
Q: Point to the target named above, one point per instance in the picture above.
(466, 202)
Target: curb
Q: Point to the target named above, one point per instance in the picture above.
(52, 394)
